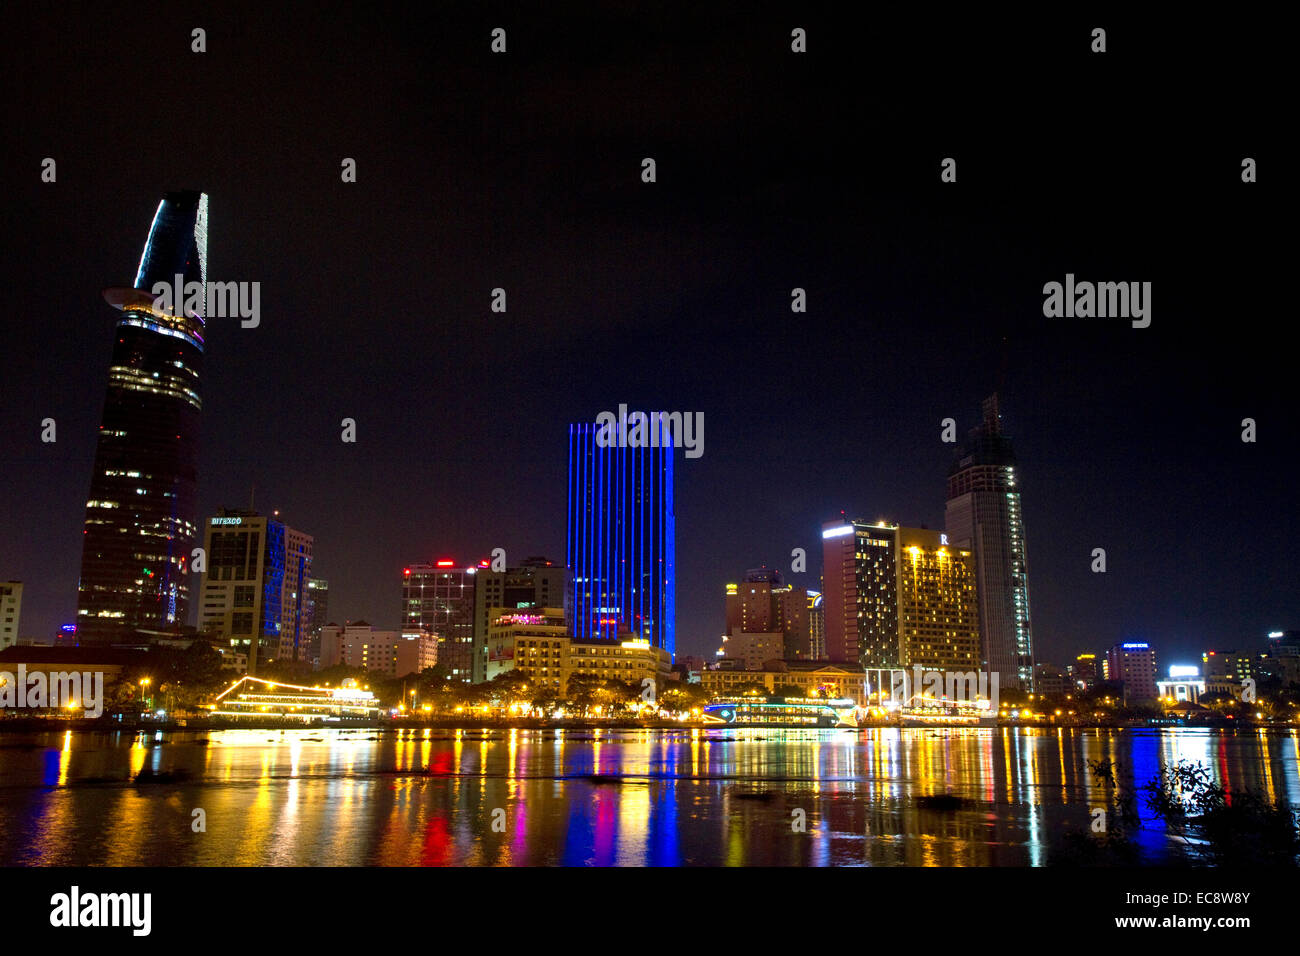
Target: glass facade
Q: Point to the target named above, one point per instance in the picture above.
(983, 514)
(621, 540)
(440, 598)
(140, 526)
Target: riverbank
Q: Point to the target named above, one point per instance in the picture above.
(58, 724)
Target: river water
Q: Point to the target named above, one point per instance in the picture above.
(629, 797)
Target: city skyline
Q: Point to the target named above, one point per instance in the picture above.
(649, 435)
(377, 307)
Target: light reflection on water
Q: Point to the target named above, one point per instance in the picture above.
(521, 797)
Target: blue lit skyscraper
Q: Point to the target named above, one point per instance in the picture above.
(621, 539)
(141, 523)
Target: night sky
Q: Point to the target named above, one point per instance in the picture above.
(775, 170)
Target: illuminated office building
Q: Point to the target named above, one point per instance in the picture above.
(254, 592)
(860, 593)
(983, 515)
(938, 611)
(536, 583)
(898, 598)
(621, 540)
(318, 610)
(1133, 664)
(439, 598)
(816, 626)
(762, 604)
(140, 526)
(1084, 672)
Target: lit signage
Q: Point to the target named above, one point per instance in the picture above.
(445, 564)
(837, 532)
(943, 539)
(1274, 633)
(1179, 670)
(1139, 647)
(227, 520)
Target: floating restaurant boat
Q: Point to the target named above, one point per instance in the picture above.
(791, 712)
(942, 711)
(264, 699)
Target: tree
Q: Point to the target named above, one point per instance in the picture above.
(505, 689)
(544, 700)
(1223, 827)
(679, 697)
(580, 692)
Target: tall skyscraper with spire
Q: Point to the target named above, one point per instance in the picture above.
(141, 513)
(983, 514)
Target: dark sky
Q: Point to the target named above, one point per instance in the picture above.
(774, 171)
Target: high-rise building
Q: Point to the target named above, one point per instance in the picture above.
(1133, 664)
(621, 539)
(11, 606)
(140, 526)
(439, 598)
(983, 515)
(898, 597)
(938, 608)
(318, 611)
(537, 583)
(1084, 672)
(762, 604)
(254, 590)
(816, 626)
(860, 592)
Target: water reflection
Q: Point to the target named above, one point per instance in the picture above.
(518, 797)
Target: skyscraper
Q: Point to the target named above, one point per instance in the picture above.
(140, 523)
(622, 538)
(439, 598)
(983, 515)
(860, 592)
(537, 583)
(255, 588)
(318, 610)
(816, 626)
(898, 598)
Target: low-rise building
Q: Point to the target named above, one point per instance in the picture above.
(812, 678)
(1051, 680)
(507, 626)
(1183, 686)
(550, 661)
(391, 653)
(751, 648)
